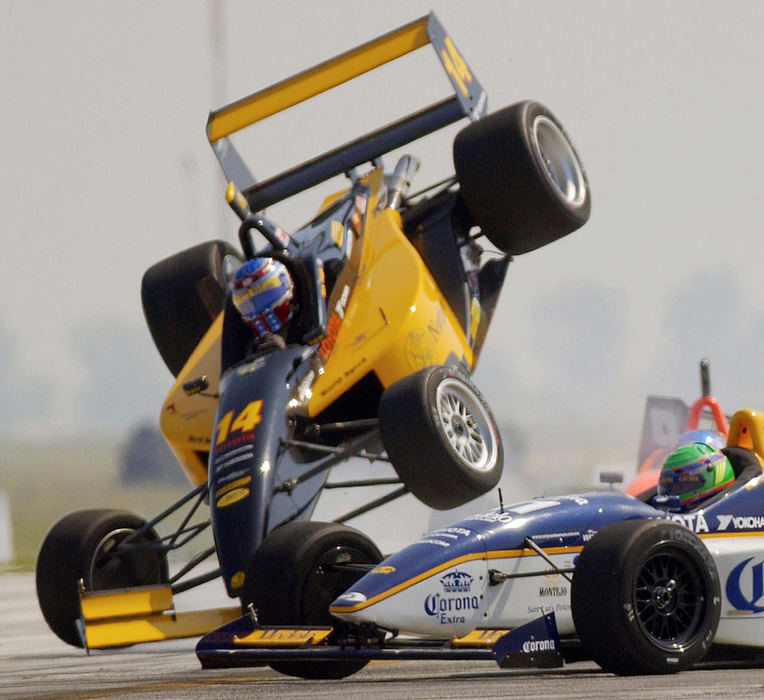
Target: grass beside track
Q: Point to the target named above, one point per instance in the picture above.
(45, 479)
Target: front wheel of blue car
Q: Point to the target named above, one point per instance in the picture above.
(441, 437)
(645, 598)
(298, 570)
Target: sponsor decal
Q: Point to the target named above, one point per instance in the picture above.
(229, 459)
(231, 497)
(352, 598)
(451, 533)
(556, 536)
(532, 645)
(741, 522)
(450, 609)
(692, 521)
(333, 324)
(332, 328)
(387, 569)
(586, 536)
(244, 422)
(492, 516)
(436, 325)
(455, 66)
(451, 606)
(228, 484)
(420, 349)
(546, 608)
(552, 591)
(457, 582)
(431, 540)
(237, 580)
(289, 637)
(750, 577)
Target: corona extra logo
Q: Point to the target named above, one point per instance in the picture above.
(456, 582)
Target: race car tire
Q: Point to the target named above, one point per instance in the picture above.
(645, 598)
(80, 547)
(441, 437)
(295, 576)
(521, 178)
(182, 295)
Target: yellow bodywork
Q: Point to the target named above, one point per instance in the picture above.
(747, 430)
(187, 421)
(395, 322)
(324, 76)
(143, 614)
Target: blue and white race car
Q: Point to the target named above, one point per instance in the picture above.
(636, 584)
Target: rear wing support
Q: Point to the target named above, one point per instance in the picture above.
(469, 100)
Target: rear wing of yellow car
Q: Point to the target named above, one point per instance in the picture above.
(469, 100)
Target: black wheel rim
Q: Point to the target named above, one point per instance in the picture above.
(117, 565)
(669, 599)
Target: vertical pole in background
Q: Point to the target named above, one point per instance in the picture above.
(6, 534)
(219, 95)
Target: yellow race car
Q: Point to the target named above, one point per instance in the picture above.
(354, 336)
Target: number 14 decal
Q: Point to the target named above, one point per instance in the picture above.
(245, 422)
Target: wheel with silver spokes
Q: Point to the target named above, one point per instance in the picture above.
(466, 424)
(441, 437)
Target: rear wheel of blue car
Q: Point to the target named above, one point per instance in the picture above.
(441, 437)
(645, 598)
(100, 548)
(521, 178)
(296, 573)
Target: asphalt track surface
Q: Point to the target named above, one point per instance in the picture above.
(35, 664)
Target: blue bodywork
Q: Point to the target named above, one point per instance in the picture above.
(565, 521)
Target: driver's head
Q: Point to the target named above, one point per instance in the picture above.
(694, 473)
(262, 291)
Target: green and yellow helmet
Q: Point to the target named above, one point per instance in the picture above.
(694, 473)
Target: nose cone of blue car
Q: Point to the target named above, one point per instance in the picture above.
(434, 586)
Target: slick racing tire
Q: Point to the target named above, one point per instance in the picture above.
(83, 546)
(182, 295)
(441, 437)
(298, 570)
(520, 177)
(645, 598)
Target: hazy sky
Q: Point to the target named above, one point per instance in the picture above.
(106, 169)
